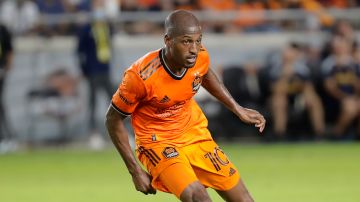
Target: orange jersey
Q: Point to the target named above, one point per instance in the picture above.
(161, 104)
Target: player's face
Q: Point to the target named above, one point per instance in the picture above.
(184, 49)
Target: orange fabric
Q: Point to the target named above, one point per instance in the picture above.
(176, 185)
(174, 168)
(335, 3)
(185, 7)
(162, 108)
(317, 9)
(147, 3)
(274, 4)
(247, 9)
(309, 5)
(217, 5)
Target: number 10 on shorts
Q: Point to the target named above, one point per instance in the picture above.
(217, 157)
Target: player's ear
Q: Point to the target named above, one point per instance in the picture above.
(167, 40)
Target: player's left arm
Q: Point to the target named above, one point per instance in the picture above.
(216, 88)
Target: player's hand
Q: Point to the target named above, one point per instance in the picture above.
(251, 116)
(142, 182)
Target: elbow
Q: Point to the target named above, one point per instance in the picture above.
(108, 119)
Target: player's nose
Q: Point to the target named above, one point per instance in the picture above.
(193, 49)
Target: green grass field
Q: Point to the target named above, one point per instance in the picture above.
(273, 173)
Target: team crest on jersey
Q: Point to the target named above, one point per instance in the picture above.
(170, 152)
(196, 83)
(165, 99)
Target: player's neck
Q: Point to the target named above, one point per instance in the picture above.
(172, 66)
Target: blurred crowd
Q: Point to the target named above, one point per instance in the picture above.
(61, 17)
(308, 90)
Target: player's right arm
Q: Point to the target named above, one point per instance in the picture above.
(216, 88)
(124, 102)
(119, 136)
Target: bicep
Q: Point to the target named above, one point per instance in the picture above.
(113, 115)
(217, 89)
(114, 120)
(209, 79)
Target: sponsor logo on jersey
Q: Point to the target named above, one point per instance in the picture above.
(170, 152)
(170, 111)
(126, 101)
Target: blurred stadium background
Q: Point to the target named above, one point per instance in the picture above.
(51, 155)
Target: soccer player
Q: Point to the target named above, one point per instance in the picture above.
(172, 138)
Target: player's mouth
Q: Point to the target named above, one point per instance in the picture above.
(191, 59)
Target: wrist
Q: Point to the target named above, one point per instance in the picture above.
(135, 170)
(239, 110)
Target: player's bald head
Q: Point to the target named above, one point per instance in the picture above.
(181, 22)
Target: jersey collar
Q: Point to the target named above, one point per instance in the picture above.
(166, 67)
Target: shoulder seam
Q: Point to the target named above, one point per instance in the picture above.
(148, 64)
(150, 69)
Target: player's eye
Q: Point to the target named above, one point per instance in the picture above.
(198, 42)
(186, 42)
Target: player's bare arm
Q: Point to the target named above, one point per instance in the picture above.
(216, 88)
(119, 136)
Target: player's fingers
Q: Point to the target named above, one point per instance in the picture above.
(152, 190)
(260, 124)
(261, 119)
(256, 120)
(148, 192)
(145, 190)
(262, 127)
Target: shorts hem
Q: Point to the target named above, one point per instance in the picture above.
(231, 185)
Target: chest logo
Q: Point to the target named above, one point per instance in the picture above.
(196, 83)
(170, 152)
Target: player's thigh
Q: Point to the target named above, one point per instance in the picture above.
(177, 177)
(169, 167)
(239, 193)
(211, 166)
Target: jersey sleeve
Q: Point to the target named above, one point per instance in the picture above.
(129, 93)
(205, 58)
